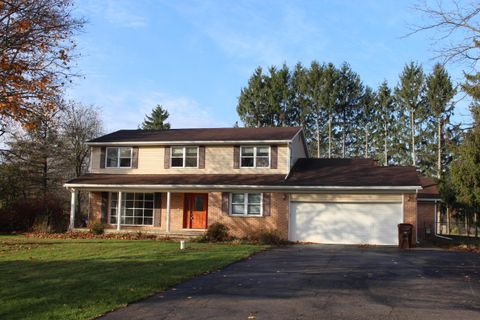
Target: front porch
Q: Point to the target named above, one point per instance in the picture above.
(184, 212)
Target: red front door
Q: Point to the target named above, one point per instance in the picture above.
(195, 212)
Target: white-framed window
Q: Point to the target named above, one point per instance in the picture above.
(136, 208)
(184, 157)
(246, 204)
(255, 157)
(118, 157)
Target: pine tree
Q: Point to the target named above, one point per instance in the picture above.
(439, 93)
(410, 98)
(365, 122)
(385, 116)
(349, 91)
(315, 81)
(329, 99)
(252, 102)
(156, 120)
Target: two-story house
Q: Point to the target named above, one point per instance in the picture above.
(250, 179)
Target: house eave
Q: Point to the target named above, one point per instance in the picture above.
(241, 187)
(190, 142)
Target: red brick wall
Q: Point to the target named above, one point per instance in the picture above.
(410, 211)
(426, 218)
(244, 226)
(95, 207)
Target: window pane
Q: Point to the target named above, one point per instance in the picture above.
(113, 219)
(262, 151)
(129, 213)
(125, 162)
(148, 213)
(191, 162)
(138, 197)
(177, 151)
(177, 162)
(138, 220)
(148, 204)
(253, 209)
(149, 196)
(247, 151)
(147, 221)
(254, 198)
(113, 212)
(247, 162)
(238, 197)
(129, 196)
(112, 157)
(262, 162)
(128, 220)
(125, 152)
(238, 209)
(113, 196)
(198, 205)
(191, 151)
(129, 204)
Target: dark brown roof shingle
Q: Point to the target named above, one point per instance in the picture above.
(206, 134)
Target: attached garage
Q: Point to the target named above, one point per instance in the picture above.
(345, 218)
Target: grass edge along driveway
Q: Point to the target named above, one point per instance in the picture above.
(83, 279)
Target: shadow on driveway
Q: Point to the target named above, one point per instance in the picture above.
(326, 282)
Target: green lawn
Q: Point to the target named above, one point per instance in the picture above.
(81, 279)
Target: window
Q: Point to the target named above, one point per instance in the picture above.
(184, 157)
(246, 204)
(136, 208)
(255, 157)
(118, 158)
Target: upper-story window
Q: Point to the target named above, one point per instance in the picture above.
(255, 157)
(184, 157)
(118, 158)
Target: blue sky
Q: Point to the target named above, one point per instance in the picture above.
(193, 57)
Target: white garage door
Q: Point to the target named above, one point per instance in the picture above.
(345, 223)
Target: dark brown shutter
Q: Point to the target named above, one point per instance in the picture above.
(225, 204)
(201, 157)
(166, 158)
(157, 202)
(273, 157)
(266, 204)
(104, 208)
(102, 157)
(135, 157)
(236, 157)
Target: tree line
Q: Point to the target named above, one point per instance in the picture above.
(409, 124)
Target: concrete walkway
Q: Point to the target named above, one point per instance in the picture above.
(326, 282)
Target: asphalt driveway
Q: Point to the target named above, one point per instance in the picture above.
(326, 282)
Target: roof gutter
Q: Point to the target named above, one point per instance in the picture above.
(169, 143)
(229, 187)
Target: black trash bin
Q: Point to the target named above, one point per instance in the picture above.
(405, 231)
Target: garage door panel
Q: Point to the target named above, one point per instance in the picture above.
(345, 223)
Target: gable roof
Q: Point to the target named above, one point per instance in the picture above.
(199, 135)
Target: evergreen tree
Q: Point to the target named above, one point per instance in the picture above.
(329, 99)
(315, 82)
(439, 93)
(253, 100)
(365, 122)
(156, 120)
(410, 94)
(349, 90)
(385, 106)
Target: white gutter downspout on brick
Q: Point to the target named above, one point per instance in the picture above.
(167, 222)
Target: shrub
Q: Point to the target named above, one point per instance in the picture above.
(97, 228)
(269, 237)
(217, 232)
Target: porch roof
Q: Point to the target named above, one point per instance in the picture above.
(308, 174)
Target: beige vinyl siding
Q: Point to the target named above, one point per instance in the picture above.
(218, 159)
(329, 197)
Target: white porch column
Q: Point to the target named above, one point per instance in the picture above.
(73, 207)
(167, 222)
(119, 210)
